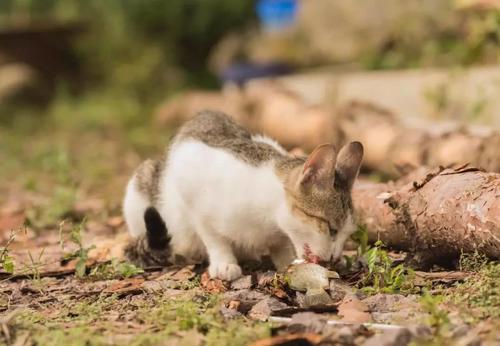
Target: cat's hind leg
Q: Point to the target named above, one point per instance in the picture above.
(134, 207)
(141, 193)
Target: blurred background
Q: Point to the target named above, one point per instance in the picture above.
(89, 88)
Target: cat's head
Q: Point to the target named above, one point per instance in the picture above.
(319, 200)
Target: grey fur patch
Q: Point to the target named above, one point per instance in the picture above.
(220, 131)
(148, 176)
(139, 253)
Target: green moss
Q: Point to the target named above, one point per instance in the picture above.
(182, 318)
(479, 295)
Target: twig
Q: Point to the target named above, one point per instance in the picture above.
(376, 326)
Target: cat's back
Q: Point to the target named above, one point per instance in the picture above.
(219, 131)
(214, 159)
(212, 128)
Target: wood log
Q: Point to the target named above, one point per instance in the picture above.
(435, 215)
(391, 148)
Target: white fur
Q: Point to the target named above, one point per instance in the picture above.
(134, 206)
(218, 206)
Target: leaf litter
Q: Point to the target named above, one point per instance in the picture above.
(74, 277)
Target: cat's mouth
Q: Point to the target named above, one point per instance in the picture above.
(311, 257)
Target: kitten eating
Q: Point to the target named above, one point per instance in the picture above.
(223, 195)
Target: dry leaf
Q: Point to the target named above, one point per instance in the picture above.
(212, 285)
(126, 286)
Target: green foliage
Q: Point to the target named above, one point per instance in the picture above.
(82, 253)
(114, 270)
(474, 261)
(360, 236)
(56, 163)
(202, 315)
(474, 41)
(148, 47)
(381, 274)
(6, 260)
(479, 294)
(438, 318)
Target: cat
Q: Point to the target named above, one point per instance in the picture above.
(224, 195)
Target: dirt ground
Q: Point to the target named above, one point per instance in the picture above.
(64, 281)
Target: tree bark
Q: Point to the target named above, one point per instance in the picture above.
(436, 216)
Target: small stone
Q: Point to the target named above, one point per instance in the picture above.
(307, 322)
(338, 290)
(229, 313)
(345, 335)
(316, 297)
(247, 298)
(459, 331)
(304, 276)
(243, 282)
(398, 337)
(470, 339)
(265, 308)
(420, 331)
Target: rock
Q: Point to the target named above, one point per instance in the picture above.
(310, 322)
(353, 310)
(229, 313)
(398, 337)
(459, 331)
(338, 290)
(243, 282)
(469, 340)
(420, 331)
(389, 302)
(345, 336)
(304, 276)
(316, 297)
(265, 308)
(246, 297)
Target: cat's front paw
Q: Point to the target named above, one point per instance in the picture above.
(224, 271)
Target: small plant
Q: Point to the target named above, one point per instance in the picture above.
(479, 295)
(6, 260)
(82, 253)
(35, 265)
(382, 275)
(437, 319)
(114, 270)
(472, 262)
(361, 238)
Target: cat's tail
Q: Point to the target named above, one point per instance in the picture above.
(153, 247)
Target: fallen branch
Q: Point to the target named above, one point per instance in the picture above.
(436, 219)
(375, 326)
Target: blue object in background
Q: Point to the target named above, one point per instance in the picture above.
(276, 15)
(240, 73)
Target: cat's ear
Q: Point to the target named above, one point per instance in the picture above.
(348, 164)
(319, 168)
